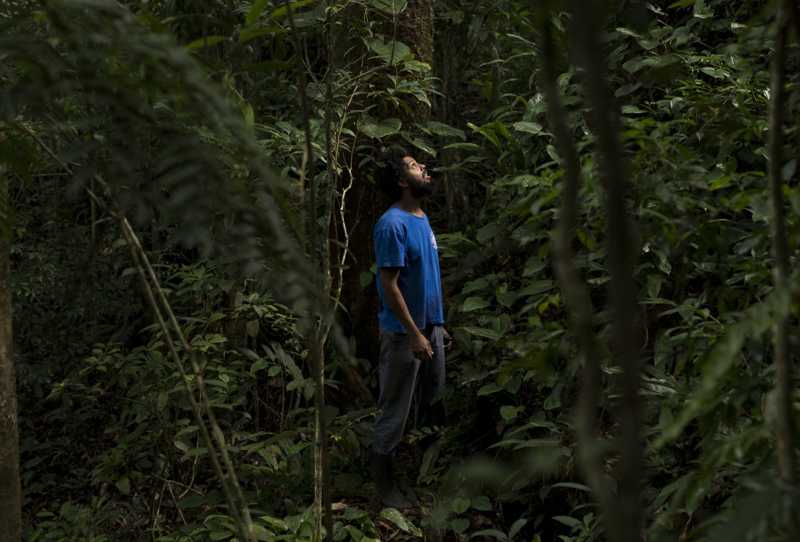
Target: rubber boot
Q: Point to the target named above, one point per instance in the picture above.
(385, 486)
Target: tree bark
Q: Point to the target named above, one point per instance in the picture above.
(415, 29)
(784, 430)
(10, 491)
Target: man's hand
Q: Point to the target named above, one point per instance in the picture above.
(421, 346)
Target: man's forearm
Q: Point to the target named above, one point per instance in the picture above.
(397, 304)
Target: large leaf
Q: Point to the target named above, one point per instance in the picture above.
(392, 52)
(392, 7)
(443, 130)
(483, 332)
(404, 524)
(255, 11)
(379, 128)
(528, 127)
(205, 41)
(474, 303)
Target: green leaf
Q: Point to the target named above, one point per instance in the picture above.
(483, 332)
(275, 523)
(528, 127)
(493, 533)
(459, 505)
(487, 132)
(537, 287)
(788, 170)
(379, 129)
(573, 485)
(395, 516)
(193, 501)
(283, 9)
(366, 278)
(716, 73)
(392, 7)
(261, 533)
(205, 41)
(701, 10)
(720, 183)
(459, 525)
(488, 389)
(462, 147)
(632, 110)
(255, 11)
(124, 485)
(443, 130)
(516, 527)
(251, 33)
(568, 521)
(488, 232)
(392, 52)
(474, 304)
(553, 401)
(482, 503)
(420, 144)
(509, 412)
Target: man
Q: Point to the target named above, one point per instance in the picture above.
(411, 316)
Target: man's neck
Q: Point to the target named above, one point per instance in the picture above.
(410, 204)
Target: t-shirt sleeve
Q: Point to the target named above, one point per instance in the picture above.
(390, 245)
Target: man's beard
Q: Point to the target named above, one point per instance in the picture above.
(420, 189)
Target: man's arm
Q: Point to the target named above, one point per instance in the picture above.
(395, 301)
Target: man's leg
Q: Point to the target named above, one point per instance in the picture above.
(431, 383)
(397, 375)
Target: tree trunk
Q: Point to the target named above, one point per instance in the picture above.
(588, 17)
(574, 289)
(415, 29)
(784, 430)
(10, 492)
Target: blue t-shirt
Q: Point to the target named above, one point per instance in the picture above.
(406, 241)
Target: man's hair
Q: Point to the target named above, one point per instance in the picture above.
(393, 170)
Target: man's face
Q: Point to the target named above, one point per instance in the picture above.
(417, 178)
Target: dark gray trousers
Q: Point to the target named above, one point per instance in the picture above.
(405, 380)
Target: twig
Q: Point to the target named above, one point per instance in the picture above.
(175, 501)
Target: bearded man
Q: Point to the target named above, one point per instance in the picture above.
(411, 317)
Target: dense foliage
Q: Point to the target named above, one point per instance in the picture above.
(191, 118)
